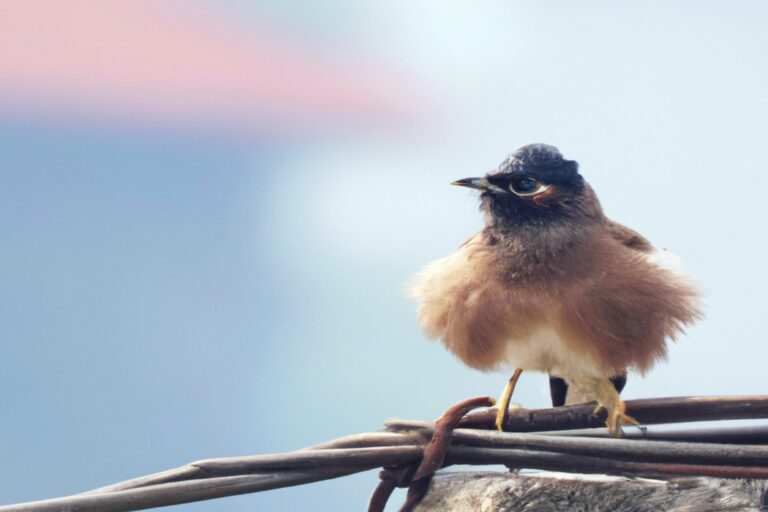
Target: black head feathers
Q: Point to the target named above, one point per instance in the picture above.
(533, 187)
(540, 160)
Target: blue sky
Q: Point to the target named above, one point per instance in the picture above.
(171, 294)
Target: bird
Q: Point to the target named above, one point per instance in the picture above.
(552, 285)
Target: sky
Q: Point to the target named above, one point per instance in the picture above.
(212, 210)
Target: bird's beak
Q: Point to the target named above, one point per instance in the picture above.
(478, 183)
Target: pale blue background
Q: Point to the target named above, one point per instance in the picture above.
(166, 297)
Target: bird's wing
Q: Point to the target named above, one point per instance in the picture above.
(657, 256)
(629, 237)
(558, 387)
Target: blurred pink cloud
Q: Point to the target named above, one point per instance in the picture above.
(168, 61)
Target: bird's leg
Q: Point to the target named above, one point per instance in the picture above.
(608, 399)
(506, 396)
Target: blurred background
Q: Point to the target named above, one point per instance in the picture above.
(211, 210)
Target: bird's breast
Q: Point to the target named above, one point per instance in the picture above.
(489, 324)
(593, 311)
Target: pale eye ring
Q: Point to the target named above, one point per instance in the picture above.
(527, 186)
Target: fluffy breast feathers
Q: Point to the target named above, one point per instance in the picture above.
(602, 307)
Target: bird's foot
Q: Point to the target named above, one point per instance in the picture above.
(502, 415)
(608, 400)
(618, 417)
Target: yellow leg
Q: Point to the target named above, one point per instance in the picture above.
(608, 399)
(506, 396)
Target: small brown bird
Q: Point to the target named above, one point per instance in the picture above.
(552, 285)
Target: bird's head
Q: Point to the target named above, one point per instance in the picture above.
(534, 184)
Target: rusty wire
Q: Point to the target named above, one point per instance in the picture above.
(405, 451)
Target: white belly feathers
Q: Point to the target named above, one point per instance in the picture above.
(545, 351)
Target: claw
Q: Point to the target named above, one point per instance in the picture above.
(608, 400)
(616, 418)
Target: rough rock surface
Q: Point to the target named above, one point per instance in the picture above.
(547, 491)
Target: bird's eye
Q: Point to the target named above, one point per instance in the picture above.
(526, 186)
